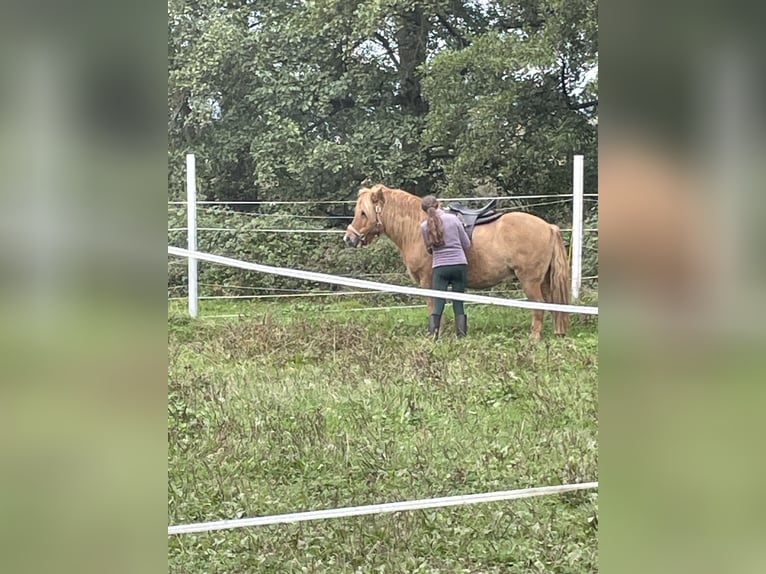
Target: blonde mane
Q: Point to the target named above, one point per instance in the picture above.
(400, 211)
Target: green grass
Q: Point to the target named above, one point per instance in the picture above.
(291, 407)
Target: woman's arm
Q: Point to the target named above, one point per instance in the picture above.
(424, 234)
(465, 241)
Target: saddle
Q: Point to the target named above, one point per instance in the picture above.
(473, 217)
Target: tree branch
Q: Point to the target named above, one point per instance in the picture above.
(387, 46)
(464, 43)
(182, 109)
(567, 98)
(582, 106)
(439, 152)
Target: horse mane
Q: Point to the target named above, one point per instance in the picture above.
(405, 224)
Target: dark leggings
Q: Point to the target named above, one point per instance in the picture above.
(444, 276)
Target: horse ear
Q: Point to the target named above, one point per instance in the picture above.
(377, 195)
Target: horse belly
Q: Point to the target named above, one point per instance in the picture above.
(484, 278)
(487, 266)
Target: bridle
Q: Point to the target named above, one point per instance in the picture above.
(378, 224)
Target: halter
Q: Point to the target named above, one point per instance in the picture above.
(378, 223)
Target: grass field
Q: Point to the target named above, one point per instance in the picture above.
(294, 407)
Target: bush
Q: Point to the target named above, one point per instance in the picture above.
(243, 236)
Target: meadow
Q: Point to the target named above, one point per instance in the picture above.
(304, 406)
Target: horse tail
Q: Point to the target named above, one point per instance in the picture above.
(559, 280)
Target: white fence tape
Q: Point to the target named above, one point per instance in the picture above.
(388, 507)
(363, 284)
(262, 230)
(353, 201)
(300, 295)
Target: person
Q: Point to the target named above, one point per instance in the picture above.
(446, 239)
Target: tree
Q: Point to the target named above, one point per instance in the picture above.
(310, 99)
(516, 102)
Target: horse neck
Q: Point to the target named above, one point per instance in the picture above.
(402, 217)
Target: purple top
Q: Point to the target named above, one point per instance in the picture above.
(456, 241)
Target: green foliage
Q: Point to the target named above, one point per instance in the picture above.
(498, 112)
(290, 410)
(248, 236)
(308, 100)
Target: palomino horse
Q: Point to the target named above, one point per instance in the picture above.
(516, 243)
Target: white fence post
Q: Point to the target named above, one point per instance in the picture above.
(577, 200)
(191, 224)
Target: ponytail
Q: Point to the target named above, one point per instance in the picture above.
(435, 230)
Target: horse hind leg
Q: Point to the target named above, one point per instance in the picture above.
(533, 288)
(545, 286)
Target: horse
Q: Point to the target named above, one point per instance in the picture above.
(516, 243)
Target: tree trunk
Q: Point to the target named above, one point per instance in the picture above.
(412, 32)
(412, 41)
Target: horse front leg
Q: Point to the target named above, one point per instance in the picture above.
(424, 281)
(439, 325)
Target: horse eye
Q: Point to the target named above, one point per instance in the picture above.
(364, 214)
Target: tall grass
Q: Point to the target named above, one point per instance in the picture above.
(290, 409)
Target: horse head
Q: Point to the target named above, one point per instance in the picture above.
(367, 224)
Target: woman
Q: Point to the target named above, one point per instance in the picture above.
(446, 240)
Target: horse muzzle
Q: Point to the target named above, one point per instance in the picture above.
(351, 240)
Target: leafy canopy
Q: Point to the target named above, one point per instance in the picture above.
(309, 99)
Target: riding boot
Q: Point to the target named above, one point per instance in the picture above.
(433, 325)
(461, 325)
